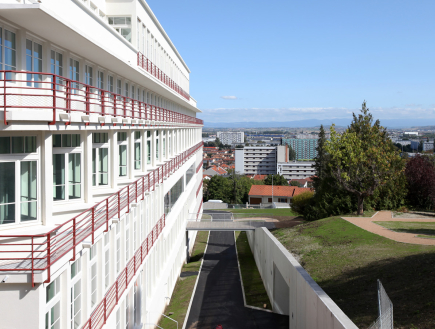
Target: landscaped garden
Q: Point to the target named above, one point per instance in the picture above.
(346, 261)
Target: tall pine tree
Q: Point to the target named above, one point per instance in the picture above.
(321, 159)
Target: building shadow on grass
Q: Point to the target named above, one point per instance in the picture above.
(408, 281)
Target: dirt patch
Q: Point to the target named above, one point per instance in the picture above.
(287, 221)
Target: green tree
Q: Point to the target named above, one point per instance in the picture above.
(219, 188)
(277, 180)
(295, 183)
(361, 159)
(301, 201)
(291, 154)
(321, 160)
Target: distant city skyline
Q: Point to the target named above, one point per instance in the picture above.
(290, 61)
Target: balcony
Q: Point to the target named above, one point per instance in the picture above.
(152, 69)
(37, 253)
(55, 98)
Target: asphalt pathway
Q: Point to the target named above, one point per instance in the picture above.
(218, 297)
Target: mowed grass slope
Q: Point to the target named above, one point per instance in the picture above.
(253, 286)
(346, 261)
(180, 299)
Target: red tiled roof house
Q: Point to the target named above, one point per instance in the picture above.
(263, 193)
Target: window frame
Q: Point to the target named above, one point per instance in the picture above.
(97, 147)
(67, 151)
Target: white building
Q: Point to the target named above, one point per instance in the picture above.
(296, 169)
(100, 164)
(259, 160)
(230, 137)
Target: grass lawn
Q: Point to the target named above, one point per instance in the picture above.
(183, 289)
(271, 211)
(423, 229)
(255, 293)
(346, 260)
(367, 213)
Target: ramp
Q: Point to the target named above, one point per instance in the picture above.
(227, 222)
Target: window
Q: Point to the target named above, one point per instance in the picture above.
(122, 25)
(76, 303)
(189, 173)
(52, 290)
(100, 80)
(56, 66)
(74, 69)
(119, 87)
(52, 299)
(88, 75)
(66, 183)
(137, 150)
(157, 145)
(148, 147)
(122, 144)
(8, 53)
(100, 159)
(33, 62)
(110, 84)
(126, 89)
(18, 180)
(172, 196)
(93, 274)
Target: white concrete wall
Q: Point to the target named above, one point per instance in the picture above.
(289, 285)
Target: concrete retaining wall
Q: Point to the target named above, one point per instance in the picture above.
(214, 205)
(291, 289)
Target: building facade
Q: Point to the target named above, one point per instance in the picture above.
(230, 137)
(260, 160)
(296, 169)
(100, 164)
(305, 148)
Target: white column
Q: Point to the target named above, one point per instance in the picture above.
(87, 163)
(46, 177)
(114, 158)
(153, 147)
(144, 154)
(130, 153)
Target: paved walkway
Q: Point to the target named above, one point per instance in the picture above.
(218, 297)
(386, 216)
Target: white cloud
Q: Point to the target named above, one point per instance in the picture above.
(229, 97)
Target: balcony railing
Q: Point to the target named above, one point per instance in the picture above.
(38, 252)
(151, 68)
(35, 90)
(103, 310)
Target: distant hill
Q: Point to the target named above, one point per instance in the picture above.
(389, 123)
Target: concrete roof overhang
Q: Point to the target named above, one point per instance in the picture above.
(41, 21)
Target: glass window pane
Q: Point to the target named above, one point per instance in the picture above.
(55, 313)
(57, 140)
(50, 291)
(103, 159)
(17, 144)
(74, 176)
(136, 155)
(5, 145)
(122, 160)
(28, 190)
(58, 177)
(149, 152)
(30, 144)
(75, 140)
(66, 140)
(7, 192)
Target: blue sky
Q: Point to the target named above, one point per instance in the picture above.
(290, 60)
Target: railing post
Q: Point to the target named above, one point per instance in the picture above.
(117, 298)
(126, 276)
(93, 224)
(119, 205)
(103, 108)
(54, 100)
(48, 258)
(136, 190)
(125, 106)
(114, 105)
(33, 265)
(4, 98)
(107, 215)
(74, 239)
(105, 310)
(128, 198)
(143, 187)
(87, 91)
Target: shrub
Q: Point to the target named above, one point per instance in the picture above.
(300, 202)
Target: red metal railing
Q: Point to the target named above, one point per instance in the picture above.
(30, 253)
(199, 167)
(62, 95)
(111, 298)
(150, 67)
(199, 188)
